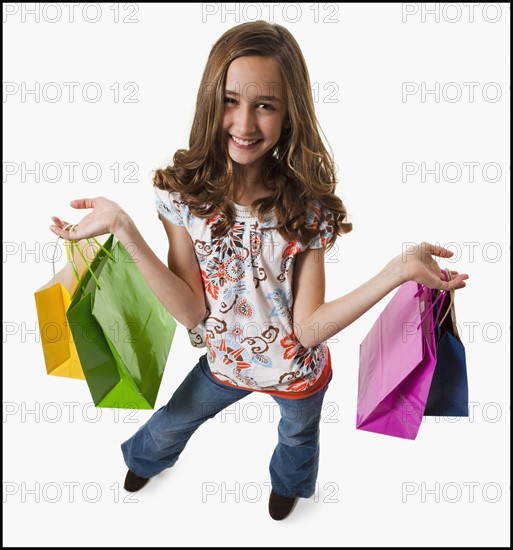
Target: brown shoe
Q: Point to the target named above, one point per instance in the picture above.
(280, 507)
(133, 483)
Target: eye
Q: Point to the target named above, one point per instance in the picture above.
(229, 100)
(267, 106)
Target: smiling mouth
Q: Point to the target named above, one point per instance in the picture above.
(243, 142)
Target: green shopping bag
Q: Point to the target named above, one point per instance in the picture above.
(122, 332)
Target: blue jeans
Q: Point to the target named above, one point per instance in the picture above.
(158, 443)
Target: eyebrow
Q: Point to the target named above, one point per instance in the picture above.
(258, 98)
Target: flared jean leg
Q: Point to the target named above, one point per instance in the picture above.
(159, 442)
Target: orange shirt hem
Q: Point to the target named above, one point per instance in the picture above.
(314, 388)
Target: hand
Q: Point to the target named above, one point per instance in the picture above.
(105, 218)
(417, 264)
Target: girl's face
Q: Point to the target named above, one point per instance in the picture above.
(254, 109)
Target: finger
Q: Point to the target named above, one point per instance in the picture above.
(83, 203)
(437, 250)
(62, 224)
(62, 233)
(450, 273)
(70, 234)
(457, 282)
(445, 280)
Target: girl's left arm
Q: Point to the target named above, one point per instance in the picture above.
(316, 321)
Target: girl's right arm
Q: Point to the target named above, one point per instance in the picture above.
(179, 290)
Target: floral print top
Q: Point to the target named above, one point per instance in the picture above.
(247, 277)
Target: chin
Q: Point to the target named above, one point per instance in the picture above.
(247, 157)
(244, 162)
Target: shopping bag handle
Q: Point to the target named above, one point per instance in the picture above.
(69, 258)
(442, 294)
(451, 295)
(73, 245)
(55, 252)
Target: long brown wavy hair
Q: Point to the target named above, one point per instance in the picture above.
(299, 168)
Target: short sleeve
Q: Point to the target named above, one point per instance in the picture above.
(323, 220)
(168, 204)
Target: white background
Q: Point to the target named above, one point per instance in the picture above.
(217, 493)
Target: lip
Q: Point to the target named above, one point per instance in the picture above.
(244, 139)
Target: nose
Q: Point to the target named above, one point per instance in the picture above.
(244, 122)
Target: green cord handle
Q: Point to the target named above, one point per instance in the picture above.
(73, 245)
(70, 245)
(103, 248)
(88, 265)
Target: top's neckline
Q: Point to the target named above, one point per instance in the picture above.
(241, 206)
(242, 212)
(245, 212)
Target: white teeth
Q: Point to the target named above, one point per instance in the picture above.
(242, 142)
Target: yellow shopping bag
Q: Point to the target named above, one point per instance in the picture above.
(52, 303)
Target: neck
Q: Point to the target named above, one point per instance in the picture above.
(247, 175)
(248, 183)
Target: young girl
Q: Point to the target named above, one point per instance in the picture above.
(249, 210)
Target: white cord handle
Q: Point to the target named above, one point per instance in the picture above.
(55, 250)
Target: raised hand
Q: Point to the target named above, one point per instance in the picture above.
(417, 264)
(105, 218)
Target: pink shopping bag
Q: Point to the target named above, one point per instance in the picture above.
(397, 362)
